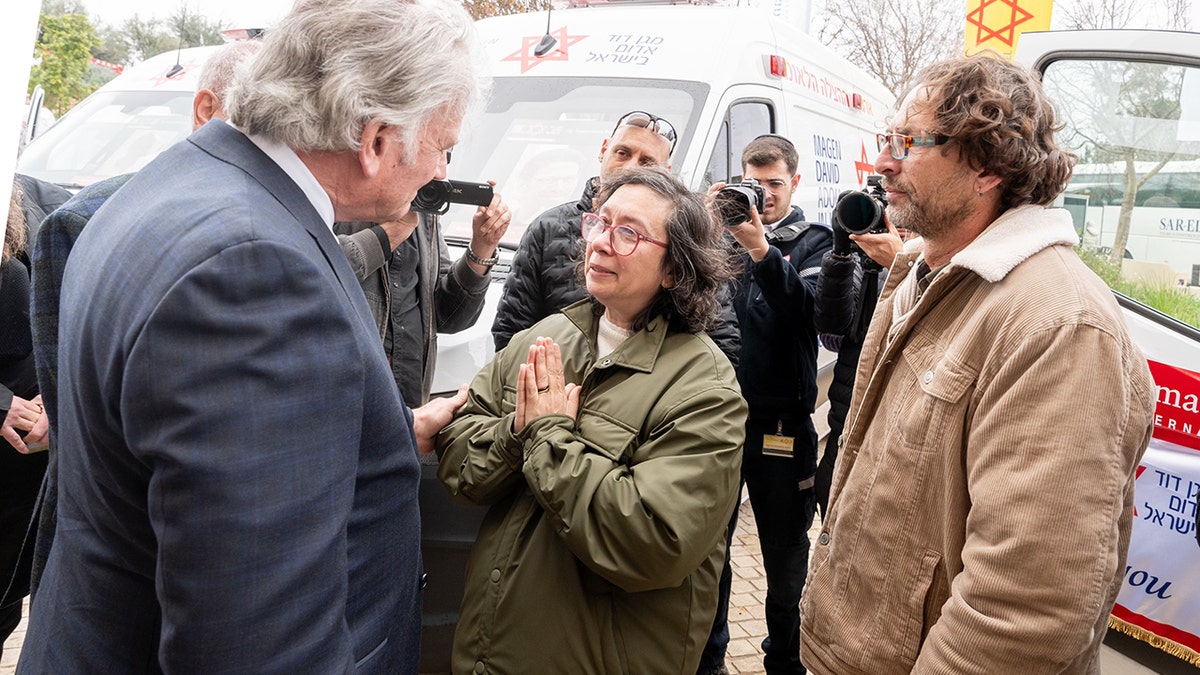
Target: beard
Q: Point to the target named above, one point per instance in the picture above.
(934, 214)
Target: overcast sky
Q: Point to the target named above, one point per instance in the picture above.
(234, 13)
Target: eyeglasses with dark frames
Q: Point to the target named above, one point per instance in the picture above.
(899, 144)
(624, 240)
(645, 120)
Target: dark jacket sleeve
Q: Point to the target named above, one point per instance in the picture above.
(523, 302)
(838, 287)
(362, 247)
(41, 199)
(727, 334)
(460, 292)
(790, 289)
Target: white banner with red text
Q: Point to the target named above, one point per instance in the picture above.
(1159, 602)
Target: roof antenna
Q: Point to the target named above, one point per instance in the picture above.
(548, 41)
(177, 69)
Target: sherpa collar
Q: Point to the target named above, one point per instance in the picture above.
(1011, 239)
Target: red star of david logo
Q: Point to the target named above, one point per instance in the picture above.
(1005, 33)
(525, 53)
(863, 167)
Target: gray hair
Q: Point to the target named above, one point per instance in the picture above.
(217, 74)
(333, 66)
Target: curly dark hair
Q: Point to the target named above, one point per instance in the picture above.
(695, 253)
(999, 118)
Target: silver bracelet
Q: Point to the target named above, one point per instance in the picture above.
(486, 262)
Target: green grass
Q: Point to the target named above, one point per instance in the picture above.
(1170, 300)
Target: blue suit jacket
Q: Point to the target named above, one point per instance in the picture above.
(237, 472)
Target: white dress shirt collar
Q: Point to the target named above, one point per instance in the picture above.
(289, 161)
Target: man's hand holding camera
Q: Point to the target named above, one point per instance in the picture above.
(750, 233)
(487, 229)
(881, 247)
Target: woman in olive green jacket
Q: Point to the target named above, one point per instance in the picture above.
(606, 441)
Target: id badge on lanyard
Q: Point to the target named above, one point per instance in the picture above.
(778, 445)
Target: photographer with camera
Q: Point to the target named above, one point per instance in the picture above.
(777, 371)
(413, 289)
(852, 274)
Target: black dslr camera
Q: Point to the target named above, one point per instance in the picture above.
(733, 201)
(862, 212)
(436, 196)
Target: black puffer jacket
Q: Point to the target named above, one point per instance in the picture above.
(542, 280)
(846, 297)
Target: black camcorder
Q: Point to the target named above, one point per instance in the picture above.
(436, 196)
(862, 212)
(733, 201)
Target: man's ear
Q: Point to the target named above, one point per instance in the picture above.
(986, 181)
(205, 106)
(374, 142)
(603, 149)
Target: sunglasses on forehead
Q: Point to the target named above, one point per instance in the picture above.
(645, 120)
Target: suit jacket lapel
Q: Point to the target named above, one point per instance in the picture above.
(230, 145)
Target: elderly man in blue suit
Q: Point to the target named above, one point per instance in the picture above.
(238, 473)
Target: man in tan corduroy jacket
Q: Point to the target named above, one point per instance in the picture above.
(982, 503)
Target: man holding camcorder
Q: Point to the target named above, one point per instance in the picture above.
(777, 372)
(413, 289)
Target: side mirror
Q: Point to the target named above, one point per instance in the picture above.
(33, 117)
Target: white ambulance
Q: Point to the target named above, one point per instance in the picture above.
(123, 125)
(720, 75)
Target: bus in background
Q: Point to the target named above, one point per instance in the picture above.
(1131, 103)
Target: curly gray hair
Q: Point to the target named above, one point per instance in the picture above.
(333, 66)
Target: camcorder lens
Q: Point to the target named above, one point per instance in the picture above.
(436, 196)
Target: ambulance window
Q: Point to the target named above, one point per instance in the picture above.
(540, 138)
(718, 164)
(1135, 192)
(110, 133)
(745, 121)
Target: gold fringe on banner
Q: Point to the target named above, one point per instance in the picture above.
(1157, 641)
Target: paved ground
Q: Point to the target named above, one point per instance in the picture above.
(1121, 655)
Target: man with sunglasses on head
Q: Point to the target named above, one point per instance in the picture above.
(781, 259)
(542, 280)
(981, 510)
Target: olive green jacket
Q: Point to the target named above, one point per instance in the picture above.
(606, 534)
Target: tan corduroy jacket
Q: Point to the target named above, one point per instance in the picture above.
(983, 499)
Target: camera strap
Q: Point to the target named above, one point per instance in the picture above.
(788, 233)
